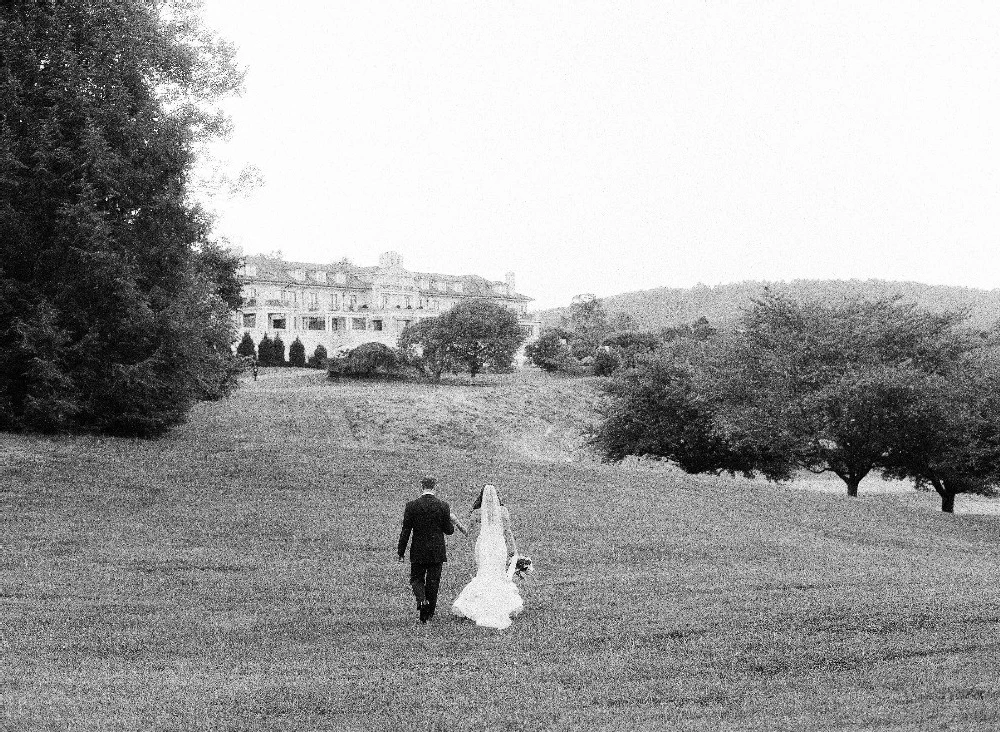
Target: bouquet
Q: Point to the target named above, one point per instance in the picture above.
(519, 566)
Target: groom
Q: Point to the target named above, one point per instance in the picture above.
(429, 519)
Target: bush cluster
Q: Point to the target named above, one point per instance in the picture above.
(367, 360)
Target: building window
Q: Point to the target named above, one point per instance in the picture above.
(334, 301)
(357, 323)
(376, 325)
(457, 286)
(338, 323)
(340, 278)
(385, 301)
(249, 320)
(277, 321)
(408, 302)
(320, 276)
(315, 323)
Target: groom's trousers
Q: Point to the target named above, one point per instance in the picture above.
(425, 578)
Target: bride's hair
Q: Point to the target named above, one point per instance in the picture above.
(478, 503)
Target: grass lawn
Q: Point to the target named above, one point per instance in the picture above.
(240, 574)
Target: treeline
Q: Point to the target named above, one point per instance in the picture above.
(849, 387)
(723, 305)
(589, 340)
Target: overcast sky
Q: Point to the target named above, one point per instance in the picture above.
(614, 146)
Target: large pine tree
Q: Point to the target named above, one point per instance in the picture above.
(109, 315)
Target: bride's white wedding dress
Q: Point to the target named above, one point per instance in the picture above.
(491, 597)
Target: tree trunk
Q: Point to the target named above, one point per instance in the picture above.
(948, 502)
(851, 476)
(947, 495)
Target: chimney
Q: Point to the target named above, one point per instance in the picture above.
(510, 283)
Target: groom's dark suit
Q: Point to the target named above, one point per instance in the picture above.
(429, 519)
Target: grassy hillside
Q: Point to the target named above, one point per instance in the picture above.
(723, 304)
(240, 575)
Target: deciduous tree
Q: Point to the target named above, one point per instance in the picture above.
(550, 351)
(473, 335)
(425, 344)
(481, 334)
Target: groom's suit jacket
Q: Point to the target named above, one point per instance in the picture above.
(429, 519)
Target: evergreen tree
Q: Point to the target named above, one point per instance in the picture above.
(278, 351)
(246, 347)
(297, 354)
(265, 351)
(318, 358)
(109, 319)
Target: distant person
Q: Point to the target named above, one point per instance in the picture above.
(429, 519)
(253, 369)
(491, 598)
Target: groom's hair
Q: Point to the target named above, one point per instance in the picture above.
(428, 483)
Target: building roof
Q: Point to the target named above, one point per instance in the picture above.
(274, 269)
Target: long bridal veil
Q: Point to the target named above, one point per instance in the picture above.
(491, 549)
(491, 597)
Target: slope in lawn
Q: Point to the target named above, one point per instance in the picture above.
(240, 575)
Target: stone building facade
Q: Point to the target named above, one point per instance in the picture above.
(342, 305)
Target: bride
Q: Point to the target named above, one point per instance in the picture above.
(491, 597)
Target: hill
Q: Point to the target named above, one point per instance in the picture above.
(240, 574)
(723, 304)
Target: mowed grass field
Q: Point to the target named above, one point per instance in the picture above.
(240, 574)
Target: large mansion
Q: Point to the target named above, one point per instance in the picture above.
(341, 305)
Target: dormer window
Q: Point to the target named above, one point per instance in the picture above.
(320, 276)
(297, 274)
(340, 278)
(457, 287)
(249, 270)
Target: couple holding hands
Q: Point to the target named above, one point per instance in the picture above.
(491, 598)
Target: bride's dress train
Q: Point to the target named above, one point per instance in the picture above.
(491, 598)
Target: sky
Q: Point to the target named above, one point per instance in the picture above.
(607, 147)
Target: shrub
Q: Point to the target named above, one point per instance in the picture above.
(606, 362)
(368, 359)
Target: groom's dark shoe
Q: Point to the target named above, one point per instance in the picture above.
(425, 611)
